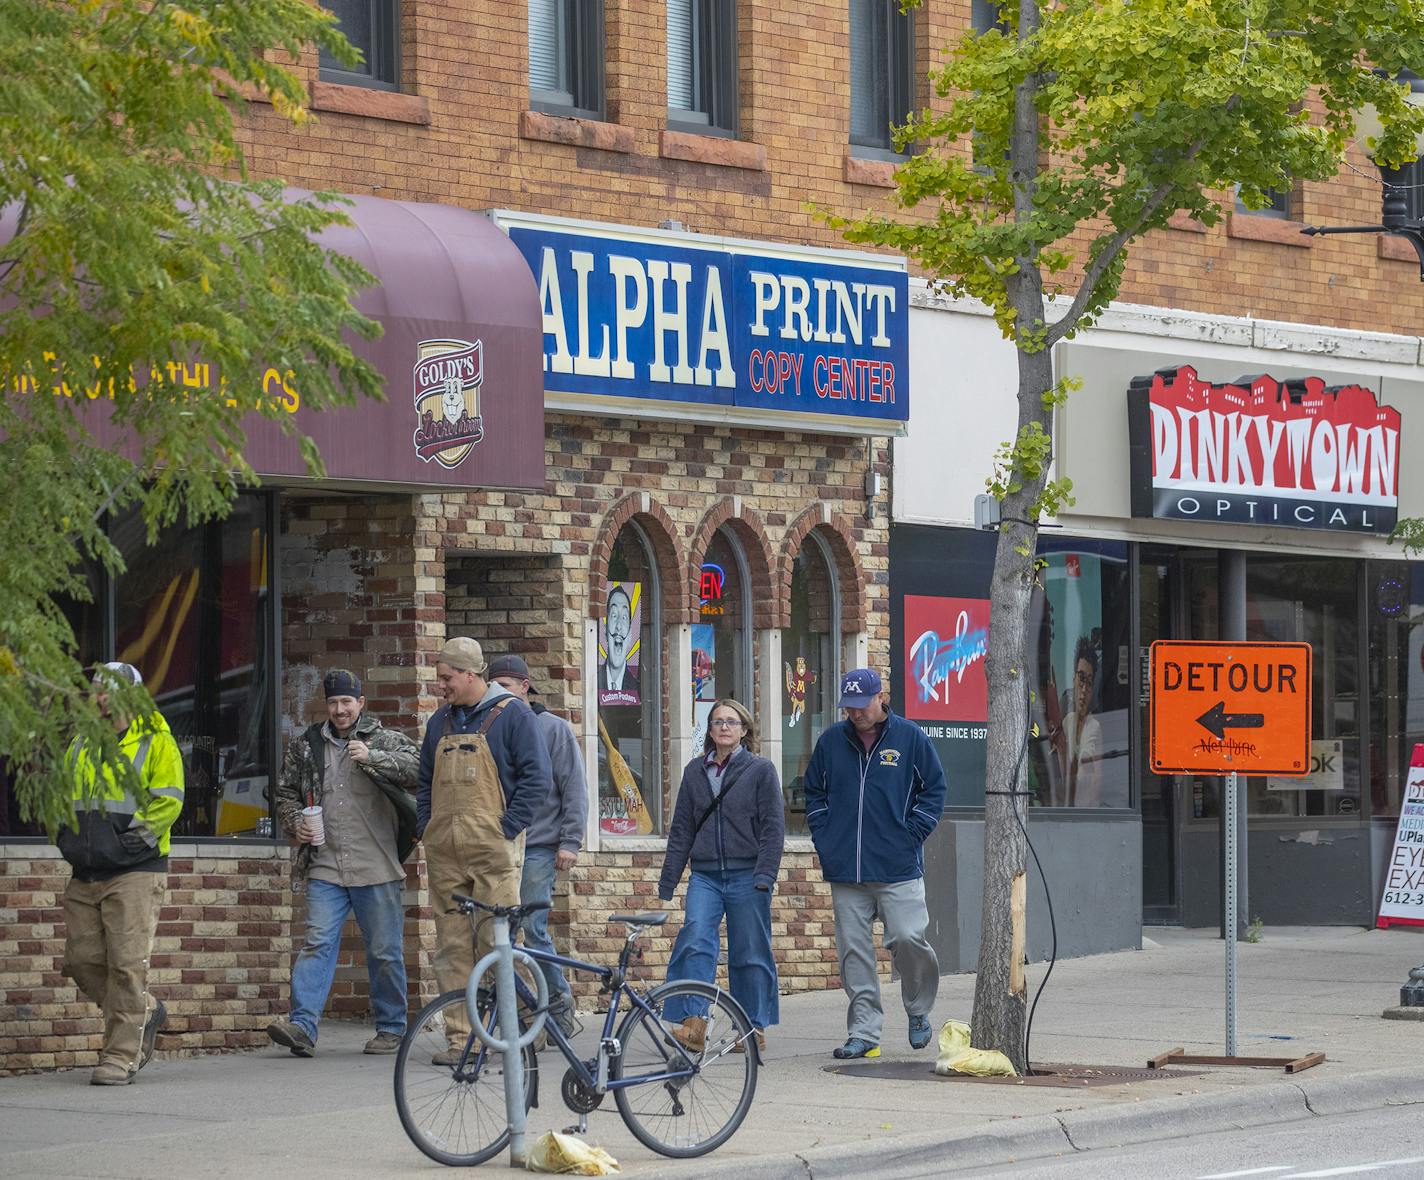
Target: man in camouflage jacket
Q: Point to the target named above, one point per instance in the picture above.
(349, 859)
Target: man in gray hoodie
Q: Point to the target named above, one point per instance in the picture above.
(555, 835)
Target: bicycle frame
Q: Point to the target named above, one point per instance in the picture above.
(611, 1019)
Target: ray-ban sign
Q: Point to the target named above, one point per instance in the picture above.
(1219, 708)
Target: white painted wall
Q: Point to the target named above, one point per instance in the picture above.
(964, 379)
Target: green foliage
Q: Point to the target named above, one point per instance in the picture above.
(132, 241)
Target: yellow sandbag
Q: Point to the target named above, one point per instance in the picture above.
(565, 1155)
(957, 1056)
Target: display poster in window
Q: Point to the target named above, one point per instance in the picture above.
(1327, 769)
(1402, 903)
(704, 679)
(1072, 630)
(946, 690)
(618, 645)
(799, 681)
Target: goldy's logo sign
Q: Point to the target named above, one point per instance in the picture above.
(447, 400)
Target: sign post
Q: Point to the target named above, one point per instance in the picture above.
(1231, 709)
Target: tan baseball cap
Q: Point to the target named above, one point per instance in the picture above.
(463, 654)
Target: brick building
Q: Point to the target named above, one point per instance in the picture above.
(747, 524)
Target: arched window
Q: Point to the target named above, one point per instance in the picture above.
(629, 691)
(808, 651)
(721, 636)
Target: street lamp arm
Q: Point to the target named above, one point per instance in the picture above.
(1312, 230)
(1412, 232)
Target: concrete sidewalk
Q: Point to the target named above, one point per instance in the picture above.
(1300, 990)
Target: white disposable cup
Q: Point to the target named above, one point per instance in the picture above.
(313, 817)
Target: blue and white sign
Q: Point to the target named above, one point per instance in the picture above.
(757, 329)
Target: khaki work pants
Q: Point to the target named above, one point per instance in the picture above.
(109, 927)
(466, 852)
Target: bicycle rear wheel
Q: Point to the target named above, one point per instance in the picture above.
(454, 1111)
(689, 1116)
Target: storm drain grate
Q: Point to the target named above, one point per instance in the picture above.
(1073, 1076)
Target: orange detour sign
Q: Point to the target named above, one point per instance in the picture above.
(1219, 708)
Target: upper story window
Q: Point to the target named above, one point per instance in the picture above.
(373, 27)
(985, 15)
(1282, 204)
(882, 69)
(566, 57)
(702, 65)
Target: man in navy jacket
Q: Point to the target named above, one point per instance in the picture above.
(874, 793)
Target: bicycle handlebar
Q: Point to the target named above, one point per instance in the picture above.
(467, 905)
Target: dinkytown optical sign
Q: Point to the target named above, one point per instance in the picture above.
(1292, 454)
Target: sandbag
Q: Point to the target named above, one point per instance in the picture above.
(956, 1055)
(567, 1155)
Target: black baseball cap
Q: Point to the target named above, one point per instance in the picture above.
(510, 665)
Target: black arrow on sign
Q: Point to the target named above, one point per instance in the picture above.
(1217, 720)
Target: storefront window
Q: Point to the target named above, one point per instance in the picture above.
(721, 655)
(193, 612)
(1080, 755)
(1396, 662)
(630, 799)
(808, 649)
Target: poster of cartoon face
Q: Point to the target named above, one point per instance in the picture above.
(618, 645)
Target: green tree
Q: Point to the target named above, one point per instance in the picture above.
(1066, 134)
(131, 237)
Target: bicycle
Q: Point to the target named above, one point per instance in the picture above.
(676, 1100)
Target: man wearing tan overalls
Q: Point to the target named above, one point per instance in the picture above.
(484, 771)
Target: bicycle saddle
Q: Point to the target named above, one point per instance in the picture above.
(639, 919)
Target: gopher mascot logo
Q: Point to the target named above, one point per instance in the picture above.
(447, 400)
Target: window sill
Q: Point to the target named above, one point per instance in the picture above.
(1254, 228)
(1180, 220)
(373, 104)
(877, 173)
(712, 149)
(575, 132)
(1396, 248)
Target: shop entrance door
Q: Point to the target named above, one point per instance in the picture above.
(1176, 599)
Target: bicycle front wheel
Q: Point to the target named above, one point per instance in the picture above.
(685, 1116)
(450, 1088)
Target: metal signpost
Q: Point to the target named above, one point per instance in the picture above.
(1229, 709)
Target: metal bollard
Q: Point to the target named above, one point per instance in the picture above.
(510, 1042)
(508, 1005)
(1411, 995)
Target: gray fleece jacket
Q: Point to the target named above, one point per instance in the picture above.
(559, 818)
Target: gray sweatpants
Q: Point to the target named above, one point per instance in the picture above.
(902, 908)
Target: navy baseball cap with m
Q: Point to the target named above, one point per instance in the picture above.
(859, 687)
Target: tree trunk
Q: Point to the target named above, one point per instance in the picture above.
(1000, 995)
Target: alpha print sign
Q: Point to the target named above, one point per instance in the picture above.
(681, 318)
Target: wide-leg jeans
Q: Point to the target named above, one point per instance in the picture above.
(751, 967)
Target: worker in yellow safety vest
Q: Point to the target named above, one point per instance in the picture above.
(118, 849)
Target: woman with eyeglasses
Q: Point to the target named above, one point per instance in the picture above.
(730, 825)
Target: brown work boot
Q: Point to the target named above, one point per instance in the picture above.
(450, 1057)
(741, 1045)
(106, 1073)
(691, 1033)
(382, 1042)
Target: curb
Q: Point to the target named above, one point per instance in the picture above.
(1119, 1125)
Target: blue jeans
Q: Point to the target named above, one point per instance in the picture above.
(537, 884)
(751, 968)
(381, 917)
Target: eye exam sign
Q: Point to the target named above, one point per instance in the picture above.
(758, 331)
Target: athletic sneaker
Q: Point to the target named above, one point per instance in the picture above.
(856, 1047)
(920, 1031)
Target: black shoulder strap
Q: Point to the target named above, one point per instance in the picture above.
(716, 803)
